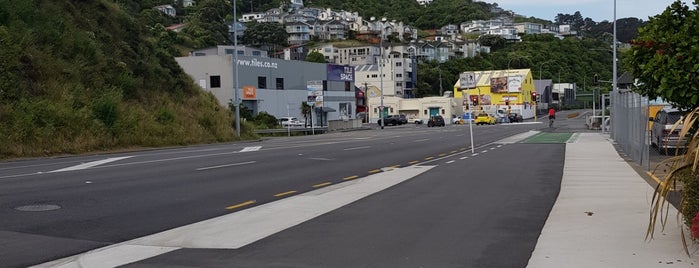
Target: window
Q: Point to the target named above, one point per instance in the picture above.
(347, 86)
(325, 85)
(280, 83)
(399, 64)
(399, 75)
(261, 82)
(229, 51)
(215, 81)
(256, 53)
(399, 84)
(240, 52)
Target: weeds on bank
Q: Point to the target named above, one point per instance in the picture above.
(683, 170)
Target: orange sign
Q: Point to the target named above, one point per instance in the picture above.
(249, 92)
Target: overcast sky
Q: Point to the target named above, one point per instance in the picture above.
(597, 10)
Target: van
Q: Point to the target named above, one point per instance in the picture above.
(665, 133)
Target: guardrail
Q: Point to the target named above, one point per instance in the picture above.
(304, 130)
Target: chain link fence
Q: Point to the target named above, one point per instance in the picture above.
(628, 124)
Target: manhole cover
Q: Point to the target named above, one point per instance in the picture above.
(38, 207)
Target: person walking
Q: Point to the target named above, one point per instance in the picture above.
(552, 116)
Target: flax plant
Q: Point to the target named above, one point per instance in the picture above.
(683, 169)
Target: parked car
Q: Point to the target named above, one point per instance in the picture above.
(392, 120)
(457, 121)
(415, 120)
(288, 121)
(515, 117)
(664, 134)
(436, 121)
(485, 119)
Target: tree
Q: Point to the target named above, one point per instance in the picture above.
(207, 25)
(664, 56)
(316, 56)
(495, 42)
(269, 35)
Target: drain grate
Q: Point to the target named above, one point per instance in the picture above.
(38, 207)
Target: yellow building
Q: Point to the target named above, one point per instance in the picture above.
(490, 91)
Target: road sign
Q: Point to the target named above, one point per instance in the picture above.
(467, 80)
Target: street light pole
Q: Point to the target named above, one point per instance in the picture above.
(236, 101)
(381, 78)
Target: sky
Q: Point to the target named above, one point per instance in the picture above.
(597, 10)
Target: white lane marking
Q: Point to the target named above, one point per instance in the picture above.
(449, 162)
(475, 154)
(421, 140)
(251, 149)
(227, 165)
(235, 230)
(462, 158)
(90, 164)
(320, 159)
(492, 148)
(357, 148)
(500, 145)
(484, 151)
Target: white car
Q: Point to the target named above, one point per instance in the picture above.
(290, 122)
(415, 120)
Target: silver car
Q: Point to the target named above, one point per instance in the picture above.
(664, 134)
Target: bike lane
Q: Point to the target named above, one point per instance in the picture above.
(471, 210)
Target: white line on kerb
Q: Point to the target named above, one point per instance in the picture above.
(356, 148)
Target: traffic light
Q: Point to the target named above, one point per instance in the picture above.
(474, 100)
(595, 80)
(534, 96)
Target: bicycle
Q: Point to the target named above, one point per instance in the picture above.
(551, 119)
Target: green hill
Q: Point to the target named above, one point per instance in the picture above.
(81, 76)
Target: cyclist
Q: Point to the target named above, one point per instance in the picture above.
(552, 116)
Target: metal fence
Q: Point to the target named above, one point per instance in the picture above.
(628, 124)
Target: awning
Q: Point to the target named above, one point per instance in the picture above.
(325, 109)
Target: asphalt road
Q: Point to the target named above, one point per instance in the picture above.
(57, 207)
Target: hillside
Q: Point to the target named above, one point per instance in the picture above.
(82, 76)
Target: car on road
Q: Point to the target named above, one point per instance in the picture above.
(288, 121)
(436, 121)
(665, 133)
(415, 120)
(515, 117)
(393, 120)
(457, 121)
(485, 119)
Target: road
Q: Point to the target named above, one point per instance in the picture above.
(460, 208)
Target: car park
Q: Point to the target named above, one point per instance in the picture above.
(665, 131)
(485, 119)
(436, 121)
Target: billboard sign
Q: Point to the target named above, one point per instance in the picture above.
(315, 93)
(467, 80)
(340, 73)
(498, 84)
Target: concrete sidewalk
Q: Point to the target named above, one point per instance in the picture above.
(601, 215)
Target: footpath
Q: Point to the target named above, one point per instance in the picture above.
(602, 212)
